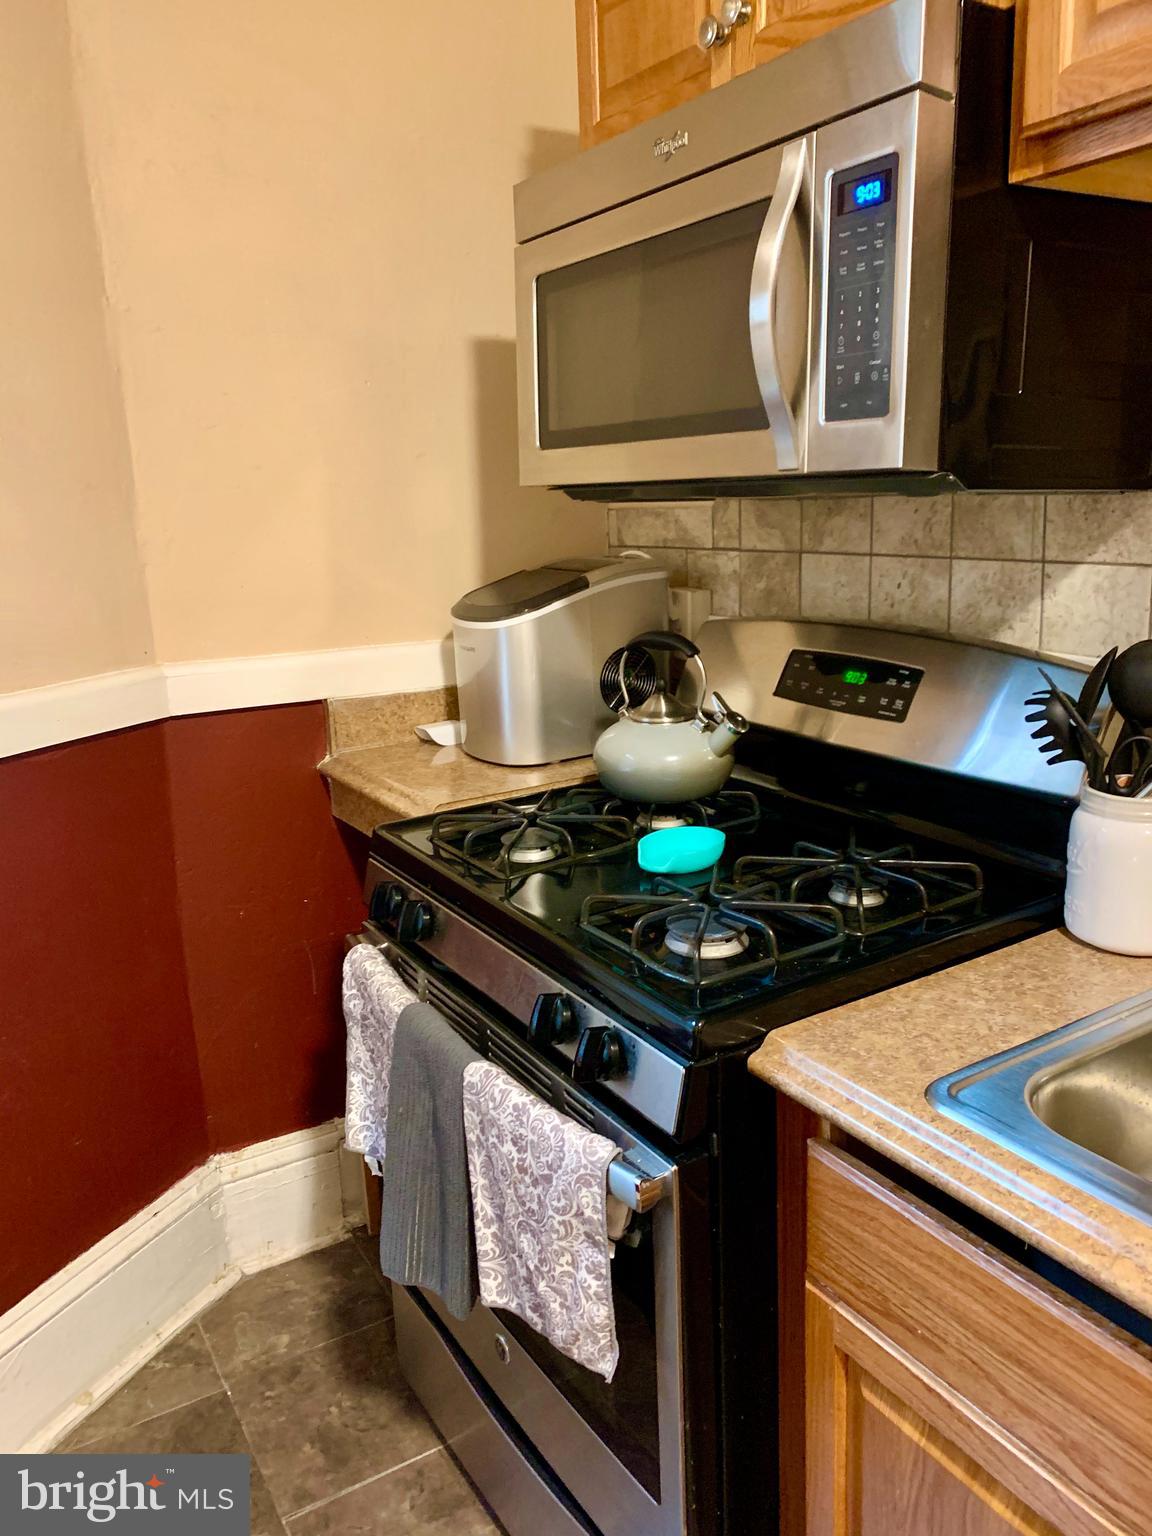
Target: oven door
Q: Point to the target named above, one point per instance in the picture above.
(637, 1456)
(668, 339)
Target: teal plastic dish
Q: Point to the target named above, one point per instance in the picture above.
(680, 850)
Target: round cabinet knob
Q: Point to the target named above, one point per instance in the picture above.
(714, 30)
(387, 899)
(599, 1055)
(734, 13)
(553, 1019)
(416, 921)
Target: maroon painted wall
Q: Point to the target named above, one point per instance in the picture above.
(268, 886)
(100, 1101)
(172, 904)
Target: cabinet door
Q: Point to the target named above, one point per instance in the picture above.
(776, 26)
(950, 1393)
(638, 58)
(877, 1466)
(1083, 60)
(1084, 95)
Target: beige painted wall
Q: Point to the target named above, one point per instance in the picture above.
(306, 215)
(72, 598)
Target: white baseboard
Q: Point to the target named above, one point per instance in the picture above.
(245, 682)
(87, 706)
(77, 1337)
(32, 718)
(283, 1197)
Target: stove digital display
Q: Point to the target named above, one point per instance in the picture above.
(852, 685)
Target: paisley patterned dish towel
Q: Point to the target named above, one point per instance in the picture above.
(543, 1216)
(374, 998)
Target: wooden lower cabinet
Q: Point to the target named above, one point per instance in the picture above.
(878, 1467)
(951, 1393)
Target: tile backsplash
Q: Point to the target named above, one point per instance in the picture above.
(1067, 573)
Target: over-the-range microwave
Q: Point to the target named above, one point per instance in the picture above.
(819, 276)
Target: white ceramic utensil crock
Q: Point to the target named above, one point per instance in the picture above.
(1108, 898)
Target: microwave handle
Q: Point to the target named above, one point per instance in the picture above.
(762, 303)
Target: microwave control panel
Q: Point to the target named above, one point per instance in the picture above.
(861, 285)
(852, 685)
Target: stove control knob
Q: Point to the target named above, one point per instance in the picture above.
(417, 921)
(599, 1055)
(553, 1019)
(387, 899)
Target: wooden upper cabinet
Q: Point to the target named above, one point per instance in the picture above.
(1082, 116)
(636, 59)
(1084, 94)
(775, 26)
(1084, 60)
(950, 1393)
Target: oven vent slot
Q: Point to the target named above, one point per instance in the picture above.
(578, 1110)
(404, 968)
(466, 1020)
(506, 1052)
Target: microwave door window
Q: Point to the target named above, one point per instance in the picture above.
(652, 341)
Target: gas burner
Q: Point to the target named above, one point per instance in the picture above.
(531, 845)
(890, 889)
(732, 810)
(711, 937)
(656, 819)
(845, 893)
(510, 842)
(720, 940)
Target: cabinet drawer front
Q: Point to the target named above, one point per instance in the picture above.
(1072, 1393)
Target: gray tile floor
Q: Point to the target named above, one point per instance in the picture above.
(297, 1367)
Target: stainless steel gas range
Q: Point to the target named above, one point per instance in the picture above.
(890, 816)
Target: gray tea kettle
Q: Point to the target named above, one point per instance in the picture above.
(662, 750)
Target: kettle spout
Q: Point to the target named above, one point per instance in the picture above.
(726, 730)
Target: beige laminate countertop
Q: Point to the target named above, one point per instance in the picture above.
(866, 1066)
(414, 778)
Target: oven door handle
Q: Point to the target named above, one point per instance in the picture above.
(638, 1191)
(762, 300)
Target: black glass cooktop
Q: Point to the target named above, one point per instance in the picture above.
(808, 907)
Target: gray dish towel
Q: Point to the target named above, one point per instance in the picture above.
(426, 1236)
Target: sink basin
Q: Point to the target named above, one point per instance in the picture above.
(1077, 1102)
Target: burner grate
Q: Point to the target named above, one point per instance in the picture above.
(731, 810)
(711, 938)
(510, 842)
(878, 890)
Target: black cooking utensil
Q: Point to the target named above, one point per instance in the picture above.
(1131, 762)
(1094, 684)
(1130, 684)
(1062, 735)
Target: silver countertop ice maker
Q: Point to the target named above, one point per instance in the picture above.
(529, 649)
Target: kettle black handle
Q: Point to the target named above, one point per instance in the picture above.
(665, 640)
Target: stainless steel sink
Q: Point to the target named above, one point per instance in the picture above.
(1077, 1102)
